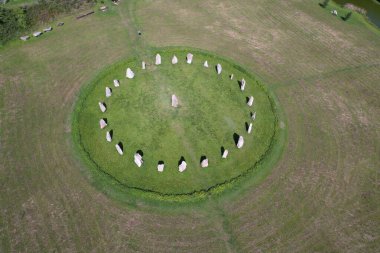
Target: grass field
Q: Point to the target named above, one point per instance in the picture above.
(321, 196)
(212, 108)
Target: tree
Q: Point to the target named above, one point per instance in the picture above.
(325, 3)
(8, 24)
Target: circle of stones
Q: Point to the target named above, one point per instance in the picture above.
(138, 156)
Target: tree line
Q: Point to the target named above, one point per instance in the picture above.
(15, 20)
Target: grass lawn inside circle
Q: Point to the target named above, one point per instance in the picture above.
(211, 109)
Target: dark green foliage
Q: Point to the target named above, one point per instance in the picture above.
(8, 24)
(325, 3)
(15, 20)
(348, 16)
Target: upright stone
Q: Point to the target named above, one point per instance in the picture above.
(116, 83)
(108, 92)
(205, 64)
(250, 101)
(129, 74)
(143, 65)
(108, 136)
(232, 76)
(242, 84)
(160, 167)
(119, 149)
(102, 107)
(225, 153)
(240, 142)
(138, 160)
(249, 128)
(158, 59)
(174, 60)
(219, 68)
(189, 58)
(182, 166)
(102, 123)
(253, 115)
(174, 101)
(204, 163)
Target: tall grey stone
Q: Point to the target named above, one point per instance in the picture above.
(249, 128)
(143, 65)
(174, 101)
(138, 159)
(242, 84)
(102, 107)
(182, 166)
(250, 101)
(160, 167)
(204, 163)
(205, 64)
(129, 74)
(102, 123)
(240, 142)
(158, 59)
(174, 60)
(232, 76)
(253, 115)
(108, 136)
(189, 58)
(225, 153)
(219, 68)
(108, 92)
(119, 149)
(116, 83)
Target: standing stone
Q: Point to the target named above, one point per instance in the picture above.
(119, 149)
(249, 128)
(253, 115)
(225, 154)
(240, 142)
(108, 136)
(205, 64)
(143, 65)
(242, 84)
(204, 163)
(116, 83)
(174, 60)
(219, 68)
(102, 107)
(108, 92)
(138, 160)
(129, 74)
(182, 166)
(250, 101)
(189, 58)
(102, 123)
(158, 59)
(174, 101)
(232, 76)
(160, 167)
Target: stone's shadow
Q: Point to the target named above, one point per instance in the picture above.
(121, 145)
(181, 160)
(110, 89)
(105, 120)
(251, 114)
(160, 162)
(140, 152)
(111, 133)
(203, 157)
(236, 138)
(240, 84)
(246, 126)
(246, 99)
(222, 149)
(216, 69)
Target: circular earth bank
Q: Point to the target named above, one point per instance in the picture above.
(212, 108)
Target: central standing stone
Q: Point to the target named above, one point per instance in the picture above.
(174, 101)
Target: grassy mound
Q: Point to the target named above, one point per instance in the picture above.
(212, 109)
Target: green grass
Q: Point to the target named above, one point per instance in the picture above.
(212, 108)
(321, 194)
